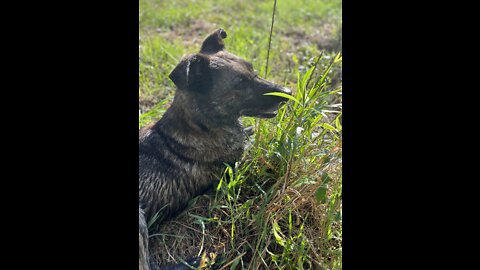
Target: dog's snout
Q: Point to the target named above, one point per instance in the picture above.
(273, 87)
(280, 89)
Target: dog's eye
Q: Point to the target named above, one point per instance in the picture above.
(241, 82)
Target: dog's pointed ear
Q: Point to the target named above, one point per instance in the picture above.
(214, 42)
(192, 73)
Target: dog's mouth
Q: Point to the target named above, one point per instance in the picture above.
(260, 114)
(266, 107)
(263, 113)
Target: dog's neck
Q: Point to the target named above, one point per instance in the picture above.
(187, 113)
(197, 133)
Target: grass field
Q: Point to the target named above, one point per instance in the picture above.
(282, 207)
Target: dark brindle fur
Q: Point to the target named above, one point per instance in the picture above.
(184, 153)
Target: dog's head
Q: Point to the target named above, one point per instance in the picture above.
(225, 85)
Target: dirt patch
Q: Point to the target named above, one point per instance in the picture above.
(145, 102)
(191, 32)
(328, 37)
(184, 237)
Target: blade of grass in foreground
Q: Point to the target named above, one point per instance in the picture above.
(281, 95)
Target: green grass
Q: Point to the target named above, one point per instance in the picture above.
(281, 208)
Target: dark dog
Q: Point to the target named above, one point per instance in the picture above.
(184, 154)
